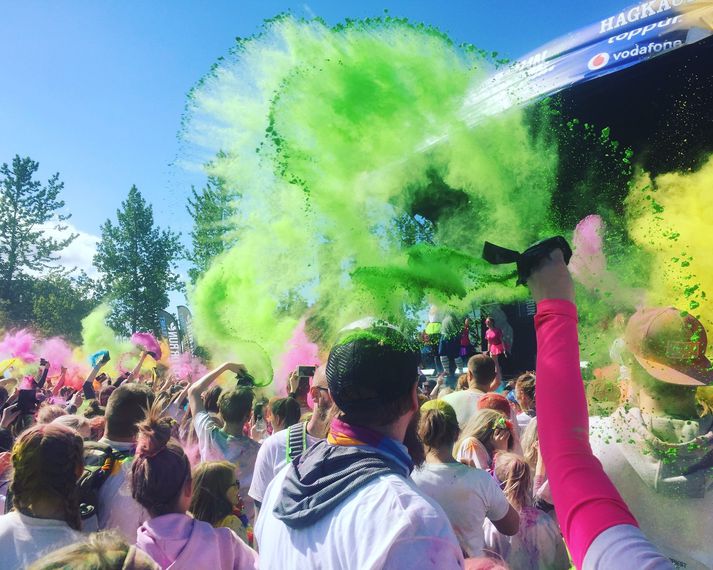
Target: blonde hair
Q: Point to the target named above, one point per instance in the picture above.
(79, 424)
(514, 473)
(463, 382)
(49, 413)
(482, 427)
(105, 550)
(530, 441)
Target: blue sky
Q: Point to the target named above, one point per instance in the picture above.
(95, 89)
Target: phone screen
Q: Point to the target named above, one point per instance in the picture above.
(306, 371)
(26, 401)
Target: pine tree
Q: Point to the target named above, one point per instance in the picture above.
(137, 262)
(28, 210)
(213, 212)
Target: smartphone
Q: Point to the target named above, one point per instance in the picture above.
(27, 401)
(304, 373)
(88, 389)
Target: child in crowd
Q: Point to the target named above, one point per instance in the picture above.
(468, 496)
(216, 497)
(161, 482)
(533, 456)
(101, 551)
(538, 544)
(47, 460)
(283, 413)
(485, 434)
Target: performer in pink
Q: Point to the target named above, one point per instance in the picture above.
(496, 346)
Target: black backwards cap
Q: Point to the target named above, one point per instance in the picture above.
(369, 367)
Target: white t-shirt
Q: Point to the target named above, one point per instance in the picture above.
(467, 495)
(271, 458)
(538, 544)
(387, 524)
(216, 445)
(465, 404)
(523, 421)
(680, 527)
(116, 508)
(24, 539)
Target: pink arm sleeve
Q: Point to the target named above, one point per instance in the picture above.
(586, 501)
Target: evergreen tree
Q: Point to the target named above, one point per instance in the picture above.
(59, 303)
(28, 209)
(213, 212)
(137, 262)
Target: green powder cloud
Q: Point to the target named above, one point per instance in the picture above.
(322, 131)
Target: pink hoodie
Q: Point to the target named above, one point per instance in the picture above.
(179, 541)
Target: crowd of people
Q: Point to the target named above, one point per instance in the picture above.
(374, 473)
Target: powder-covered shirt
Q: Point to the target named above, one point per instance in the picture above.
(271, 458)
(24, 539)
(116, 509)
(464, 403)
(387, 524)
(216, 445)
(538, 544)
(650, 486)
(467, 495)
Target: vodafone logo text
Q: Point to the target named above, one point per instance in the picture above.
(641, 51)
(647, 49)
(598, 61)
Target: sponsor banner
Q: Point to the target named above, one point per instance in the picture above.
(636, 34)
(170, 333)
(185, 321)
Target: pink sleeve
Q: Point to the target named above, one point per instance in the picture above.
(586, 501)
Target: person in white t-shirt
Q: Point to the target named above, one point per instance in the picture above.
(481, 378)
(525, 395)
(658, 449)
(281, 447)
(348, 502)
(226, 442)
(467, 495)
(116, 509)
(47, 461)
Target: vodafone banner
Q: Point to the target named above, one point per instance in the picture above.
(638, 33)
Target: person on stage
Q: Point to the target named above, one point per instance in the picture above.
(496, 345)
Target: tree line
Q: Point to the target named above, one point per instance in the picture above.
(136, 261)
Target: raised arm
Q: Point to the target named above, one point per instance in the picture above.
(135, 372)
(194, 392)
(42, 371)
(88, 383)
(60, 381)
(586, 501)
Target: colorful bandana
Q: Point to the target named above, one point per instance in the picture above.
(348, 435)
